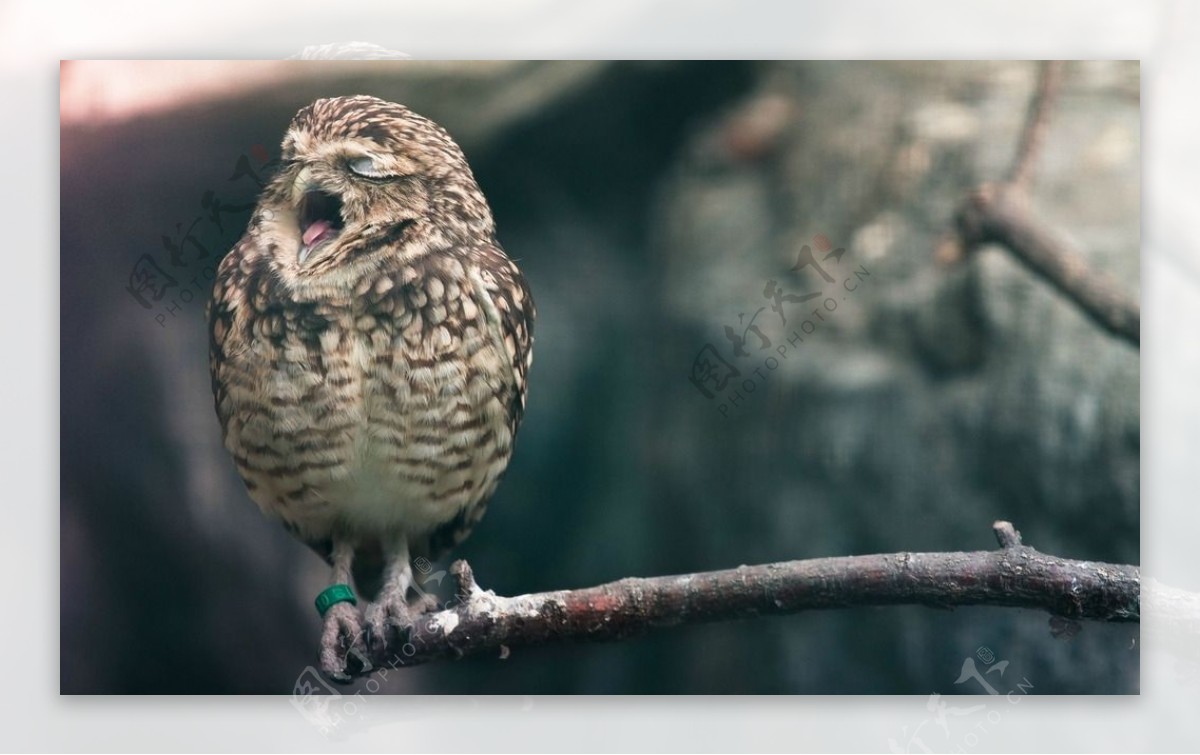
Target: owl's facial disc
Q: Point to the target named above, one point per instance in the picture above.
(321, 221)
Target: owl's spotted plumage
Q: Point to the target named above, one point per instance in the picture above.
(369, 348)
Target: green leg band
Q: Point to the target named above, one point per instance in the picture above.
(333, 595)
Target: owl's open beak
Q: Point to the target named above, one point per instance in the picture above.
(320, 221)
(304, 182)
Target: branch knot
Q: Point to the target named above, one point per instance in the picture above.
(1006, 534)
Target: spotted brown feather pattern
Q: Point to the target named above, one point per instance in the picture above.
(370, 388)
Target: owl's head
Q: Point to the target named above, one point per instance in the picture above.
(363, 177)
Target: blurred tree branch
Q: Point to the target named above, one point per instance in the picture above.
(1000, 213)
(478, 621)
(1037, 121)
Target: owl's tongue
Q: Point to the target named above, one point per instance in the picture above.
(317, 231)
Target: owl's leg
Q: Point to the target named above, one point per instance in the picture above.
(391, 610)
(343, 643)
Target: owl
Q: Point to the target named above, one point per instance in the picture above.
(369, 347)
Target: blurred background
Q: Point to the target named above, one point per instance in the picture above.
(656, 209)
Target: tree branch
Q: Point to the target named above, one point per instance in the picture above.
(479, 621)
(1000, 214)
(1037, 121)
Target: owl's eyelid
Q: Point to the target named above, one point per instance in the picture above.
(368, 167)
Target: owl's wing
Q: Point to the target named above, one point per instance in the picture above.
(508, 311)
(505, 313)
(225, 336)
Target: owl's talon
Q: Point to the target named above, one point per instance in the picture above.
(344, 651)
(387, 619)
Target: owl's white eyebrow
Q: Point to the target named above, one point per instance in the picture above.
(345, 149)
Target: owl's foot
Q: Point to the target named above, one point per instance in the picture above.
(389, 619)
(344, 651)
(424, 603)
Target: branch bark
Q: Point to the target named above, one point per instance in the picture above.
(479, 621)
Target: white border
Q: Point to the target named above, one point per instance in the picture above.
(36, 35)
